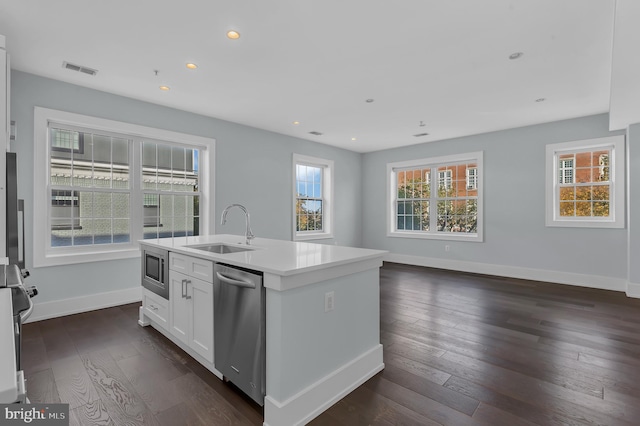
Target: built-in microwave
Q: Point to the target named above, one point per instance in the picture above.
(155, 270)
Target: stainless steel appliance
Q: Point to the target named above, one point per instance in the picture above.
(12, 382)
(14, 292)
(155, 271)
(15, 215)
(239, 328)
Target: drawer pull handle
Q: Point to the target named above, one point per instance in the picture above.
(153, 308)
(186, 293)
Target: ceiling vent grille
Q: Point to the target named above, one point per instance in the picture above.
(79, 68)
(419, 135)
(315, 133)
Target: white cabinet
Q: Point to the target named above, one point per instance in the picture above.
(191, 303)
(156, 308)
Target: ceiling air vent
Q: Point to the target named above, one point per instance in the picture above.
(419, 135)
(79, 68)
(315, 133)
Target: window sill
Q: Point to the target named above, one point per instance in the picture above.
(449, 236)
(70, 257)
(314, 236)
(587, 223)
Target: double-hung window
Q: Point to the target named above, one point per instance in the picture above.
(312, 207)
(450, 210)
(106, 184)
(585, 183)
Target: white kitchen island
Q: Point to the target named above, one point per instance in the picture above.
(314, 357)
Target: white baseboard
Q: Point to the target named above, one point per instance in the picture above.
(582, 280)
(633, 290)
(309, 403)
(91, 302)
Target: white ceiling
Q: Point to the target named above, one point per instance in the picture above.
(445, 63)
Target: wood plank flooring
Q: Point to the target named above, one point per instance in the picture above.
(459, 349)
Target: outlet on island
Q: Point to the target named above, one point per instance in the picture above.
(329, 301)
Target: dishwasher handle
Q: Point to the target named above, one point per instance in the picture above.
(232, 281)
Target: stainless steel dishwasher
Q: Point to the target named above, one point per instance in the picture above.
(239, 328)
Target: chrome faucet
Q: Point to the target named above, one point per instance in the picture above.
(248, 234)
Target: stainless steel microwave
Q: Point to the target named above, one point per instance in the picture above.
(155, 270)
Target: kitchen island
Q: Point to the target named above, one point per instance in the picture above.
(321, 318)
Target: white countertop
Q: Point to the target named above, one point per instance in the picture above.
(278, 257)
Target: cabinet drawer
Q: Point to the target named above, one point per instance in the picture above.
(155, 307)
(192, 266)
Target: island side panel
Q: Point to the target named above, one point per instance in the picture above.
(314, 356)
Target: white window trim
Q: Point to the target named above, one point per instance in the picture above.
(43, 254)
(616, 175)
(327, 196)
(476, 157)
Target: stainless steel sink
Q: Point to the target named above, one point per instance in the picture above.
(220, 248)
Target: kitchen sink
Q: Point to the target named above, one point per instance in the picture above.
(220, 248)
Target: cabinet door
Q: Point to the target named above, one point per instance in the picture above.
(201, 338)
(180, 312)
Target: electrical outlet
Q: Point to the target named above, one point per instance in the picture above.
(329, 301)
(447, 247)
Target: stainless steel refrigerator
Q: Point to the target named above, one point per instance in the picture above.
(15, 215)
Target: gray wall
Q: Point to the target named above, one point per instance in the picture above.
(253, 167)
(633, 223)
(515, 234)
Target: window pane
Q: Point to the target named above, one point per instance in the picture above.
(601, 208)
(601, 192)
(121, 205)
(120, 155)
(583, 193)
(568, 193)
(583, 208)
(567, 208)
(423, 212)
(149, 166)
(83, 235)
(103, 231)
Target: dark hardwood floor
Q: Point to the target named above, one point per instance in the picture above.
(459, 349)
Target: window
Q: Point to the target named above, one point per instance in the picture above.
(453, 210)
(444, 179)
(313, 187)
(111, 184)
(65, 140)
(472, 178)
(585, 183)
(565, 170)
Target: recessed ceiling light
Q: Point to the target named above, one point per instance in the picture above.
(369, 100)
(191, 66)
(516, 55)
(295, 123)
(165, 88)
(233, 35)
(353, 139)
(541, 99)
